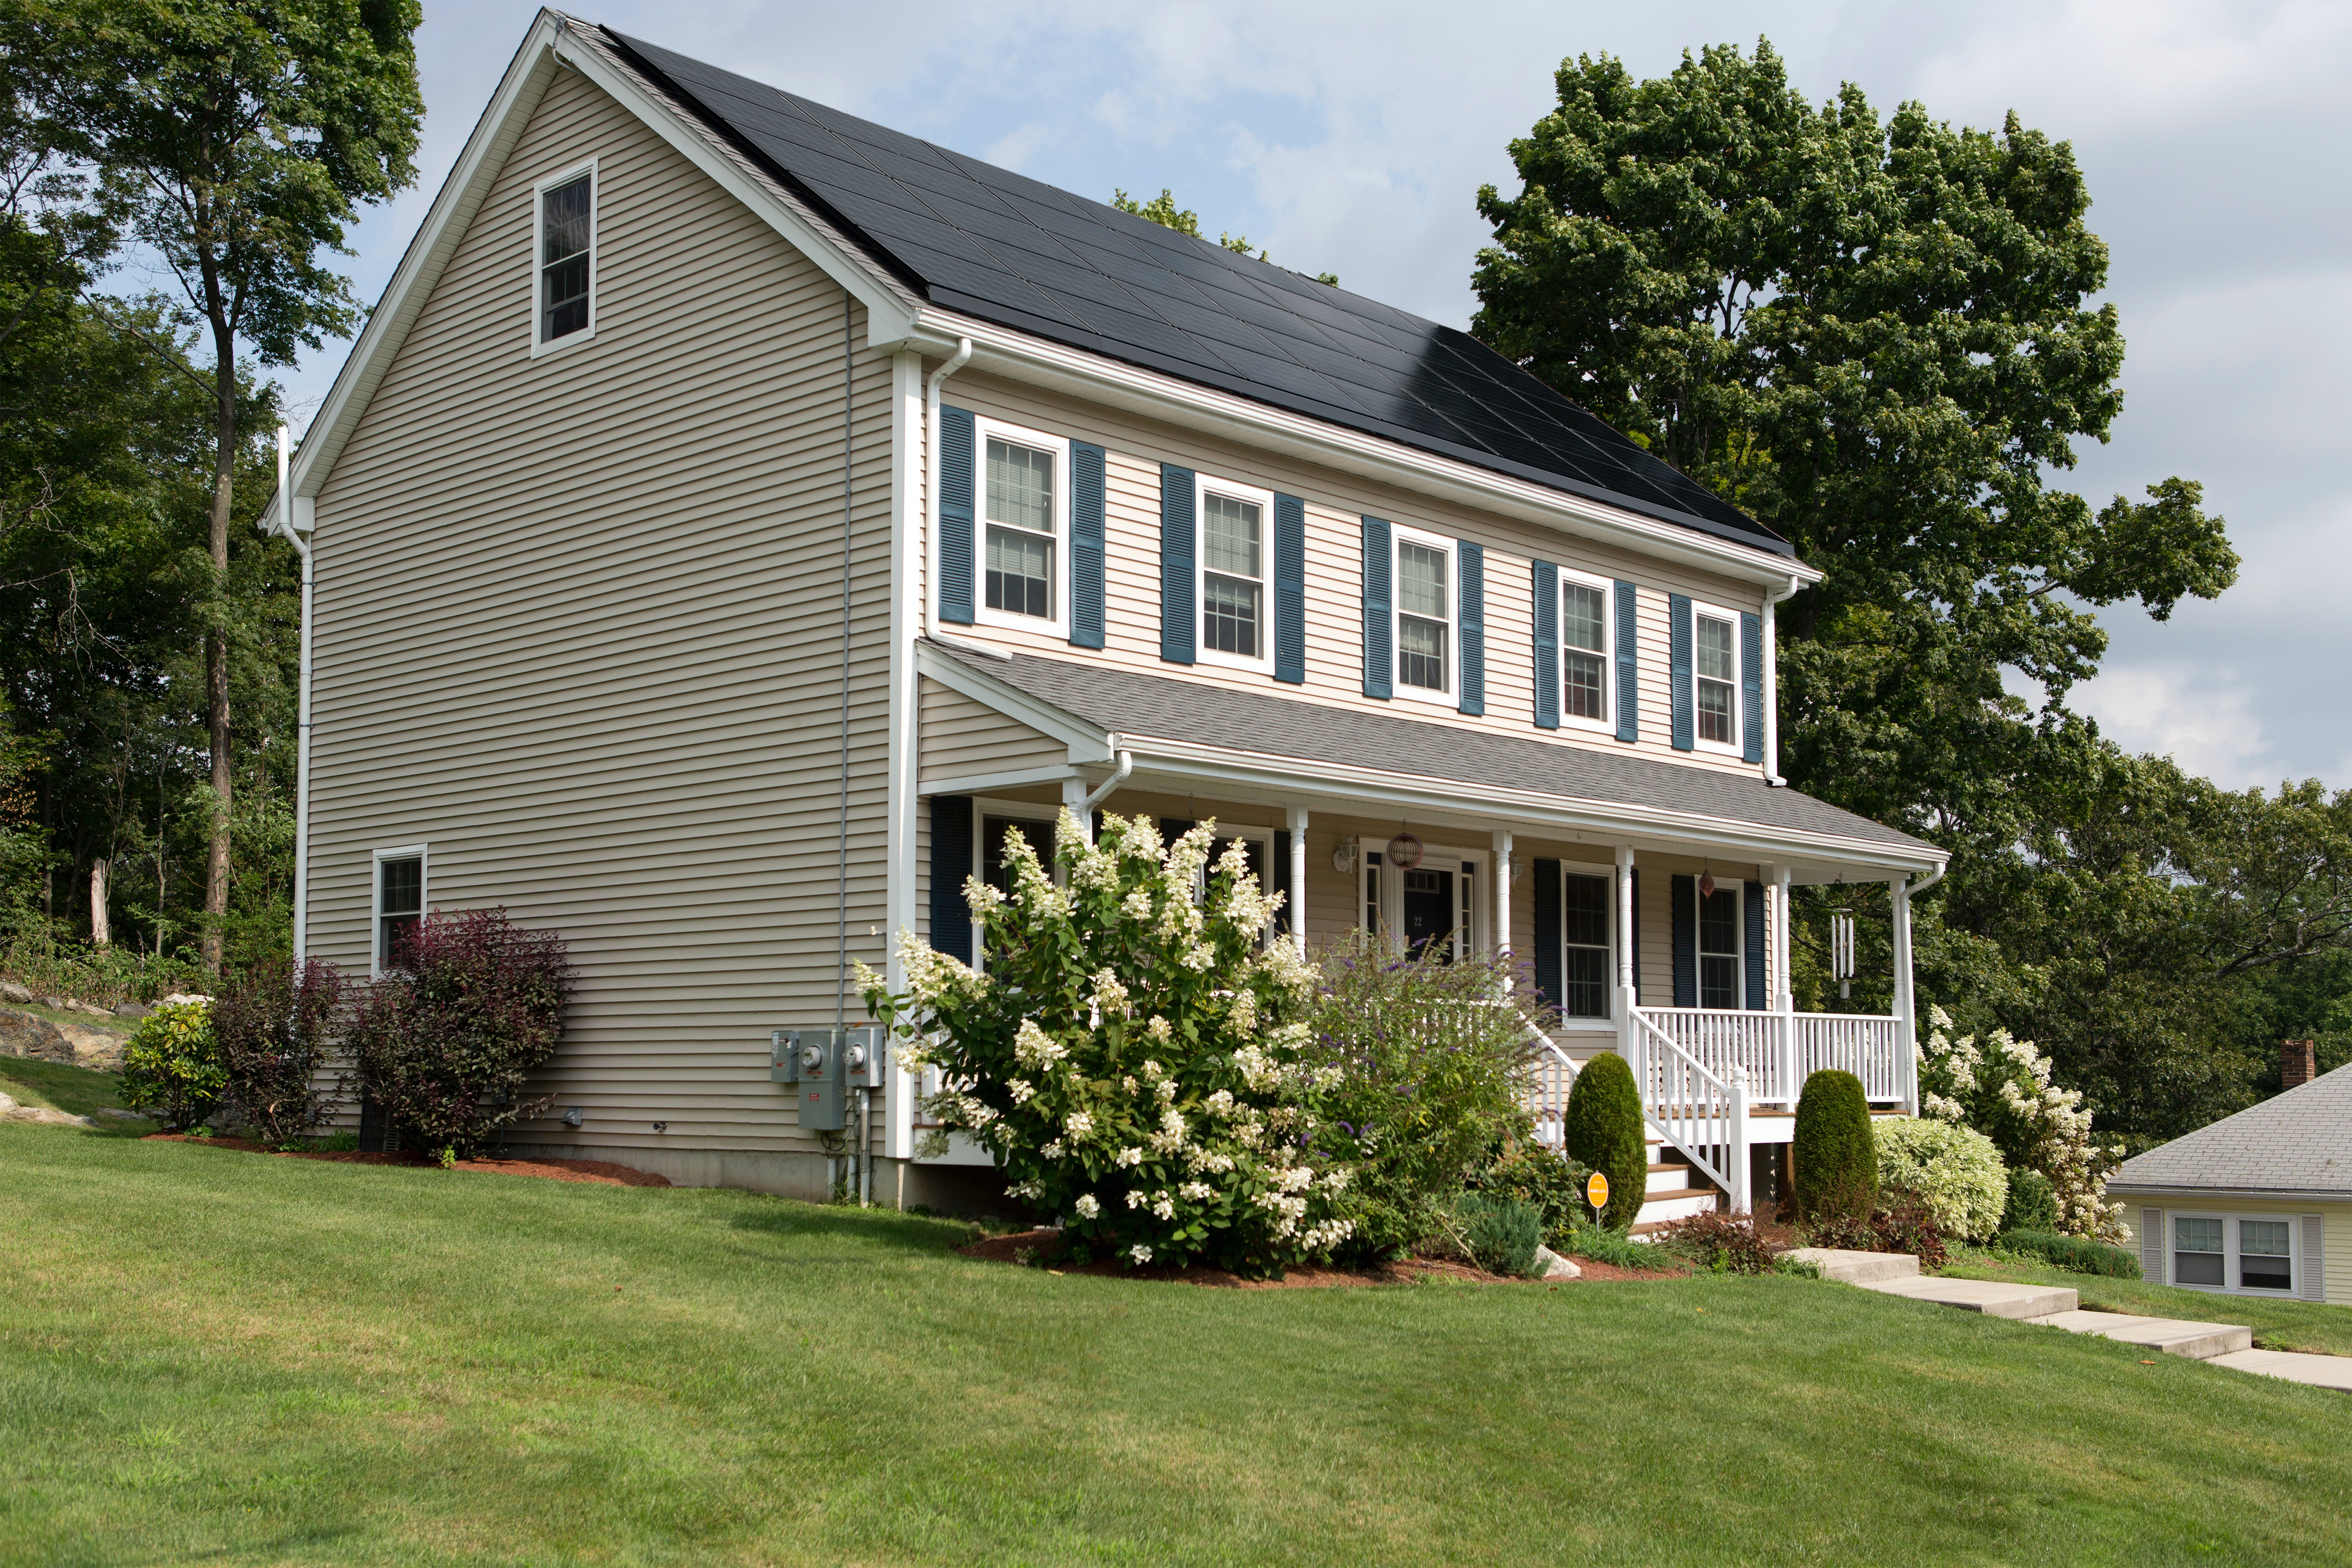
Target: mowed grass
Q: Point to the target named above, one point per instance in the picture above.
(227, 1358)
(77, 1089)
(2278, 1325)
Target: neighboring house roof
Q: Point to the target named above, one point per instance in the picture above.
(994, 245)
(1130, 707)
(2299, 1142)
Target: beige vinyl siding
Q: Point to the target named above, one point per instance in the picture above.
(1336, 505)
(2336, 1220)
(963, 738)
(579, 629)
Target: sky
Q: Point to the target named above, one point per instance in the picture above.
(1354, 137)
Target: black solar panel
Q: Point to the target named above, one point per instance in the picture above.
(1004, 247)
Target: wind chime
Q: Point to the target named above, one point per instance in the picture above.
(1841, 951)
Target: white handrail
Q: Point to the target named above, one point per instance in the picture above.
(1704, 1117)
(1555, 1077)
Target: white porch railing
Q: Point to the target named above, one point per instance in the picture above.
(1778, 1051)
(1554, 1077)
(1699, 1113)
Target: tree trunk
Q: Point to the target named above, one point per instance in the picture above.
(216, 648)
(100, 936)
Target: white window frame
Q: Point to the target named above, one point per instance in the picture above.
(1607, 723)
(1401, 535)
(1738, 745)
(539, 345)
(1737, 888)
(1058, 624)
(1606, 1023)
(423, 855)
(1203, 484)
(2230, 1220)
(1372, 857)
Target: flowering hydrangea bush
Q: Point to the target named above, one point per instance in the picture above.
(1954, 1170)
(2002, 1089)
(1131, 1056)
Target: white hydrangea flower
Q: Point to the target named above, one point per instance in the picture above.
(1198, 1191)
(1127, 1084)
(1140, 1252)
(1053, 1151)
(1152, 1071)
(1080, 1125)
(1159, 1029)
(1163, 1206)
(1134, 1200)
(1220, 1103)
(1086, 1206)
(1129, 1156)
(1020, 1089)
(1033, 1047)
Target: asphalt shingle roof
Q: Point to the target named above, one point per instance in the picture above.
(1005, 248)
(1128, 703)
(2298, 1142)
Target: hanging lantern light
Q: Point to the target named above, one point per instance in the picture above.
(1706, 884)
(1404, 852)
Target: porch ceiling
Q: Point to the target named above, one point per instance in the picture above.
(1253, 740)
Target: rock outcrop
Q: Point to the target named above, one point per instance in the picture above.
(23, 1034)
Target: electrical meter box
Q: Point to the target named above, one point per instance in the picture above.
(823, 1065)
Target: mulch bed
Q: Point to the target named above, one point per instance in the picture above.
(1042, 1245)
(599, 1173)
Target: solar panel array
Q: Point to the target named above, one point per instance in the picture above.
(1006, 248)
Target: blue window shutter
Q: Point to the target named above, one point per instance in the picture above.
(951, 864)
(1633, 938)
(956, 524)
(1379, 662)
(1546, 602)
(1628, 673)
(1471, 608)
(1290, 590)
(1281, 881)
(1752, 905)
(1678, 611)
(1551, 979)
(1685, 924)
(1751, 685)
(1086, 546)
(1178, 620)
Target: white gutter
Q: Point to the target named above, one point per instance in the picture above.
(280, 522)
(1772, 686)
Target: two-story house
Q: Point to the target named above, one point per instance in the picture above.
(736, 516)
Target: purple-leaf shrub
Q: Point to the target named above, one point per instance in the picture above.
(445, 1043)
(273, 1024)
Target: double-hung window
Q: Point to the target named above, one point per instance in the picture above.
(399, 903)
(1425, 632)
(1235, 557)
(564, 286)
(1025, 515)
(1586, 632)
(2238, 1253)
(1719, 957)
(1585, 907)
(1715, 673)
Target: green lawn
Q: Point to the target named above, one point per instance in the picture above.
(32, 1081)
(2277, 1324)
(218, 1357)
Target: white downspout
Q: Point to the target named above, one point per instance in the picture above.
(1772, 687)
(1101, 792)
(285, 525)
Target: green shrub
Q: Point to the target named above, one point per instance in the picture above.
(1836, 1159)
(1552, 1182)
(1954, 1170)
(1603, 1244)
(1603, 1130)
(2032, 1203)
(1722, 1243)
(1428, 1076)
(171, 1062)
(342, 1142)
(2078, 1253)
(1502, 1233)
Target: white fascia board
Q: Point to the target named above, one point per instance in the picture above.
(551, 45)
(997, 783)
(1020, 356)
(1086, 742)
(2216, 1195)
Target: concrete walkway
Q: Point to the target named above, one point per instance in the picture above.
(2223, 1345)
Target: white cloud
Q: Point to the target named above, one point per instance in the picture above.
(2202, 719)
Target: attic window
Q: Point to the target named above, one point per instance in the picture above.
(567, 257)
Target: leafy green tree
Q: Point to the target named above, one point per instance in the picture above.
(241, 140)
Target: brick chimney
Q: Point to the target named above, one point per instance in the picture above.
(2298, 1061)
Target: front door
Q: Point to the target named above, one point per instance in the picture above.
(1429, 915)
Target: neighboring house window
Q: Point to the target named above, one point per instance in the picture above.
(1585, 908)
(566, 283)
(1425, 642)
(1715, 667)
(2240, 1254)
(399, 901)
(1026, 514)
(2265, 1255)
(1586, 631)
(1235, 560)
(1720, 967)
(2196, 1257)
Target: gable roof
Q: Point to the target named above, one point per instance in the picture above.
(1130, 709)
(997, 246)
(2298, 1142)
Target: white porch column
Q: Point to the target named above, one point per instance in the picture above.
(1907, 1039)
(1742, 1202)
(1074, 797)
(1784, 998)
(906, 625)
(1503, 890)
(1298, 879)
(1626, 991)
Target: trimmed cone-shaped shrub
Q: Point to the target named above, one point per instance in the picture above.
(1605, 1133)
(1836, 1158)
